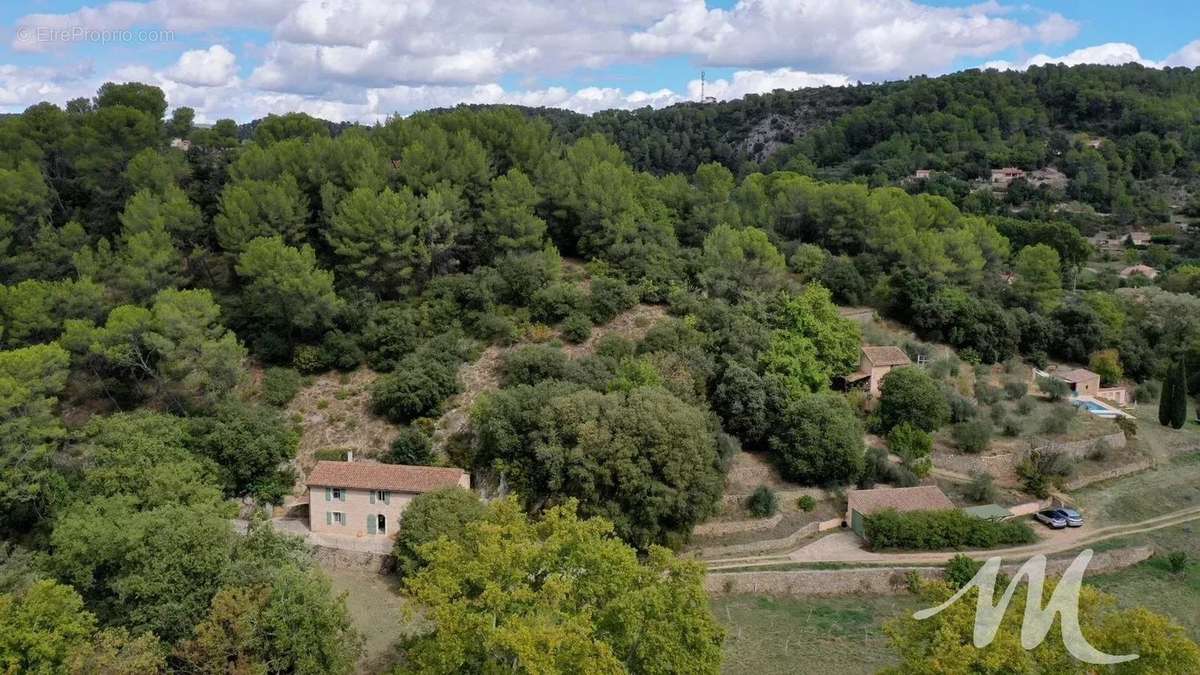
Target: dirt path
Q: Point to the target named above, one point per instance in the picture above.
(846, 547)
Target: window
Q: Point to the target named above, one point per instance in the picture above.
(381, 496)
(335, 518)
(332, 493)
(381, 524)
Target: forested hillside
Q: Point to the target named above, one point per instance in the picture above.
(160, 303)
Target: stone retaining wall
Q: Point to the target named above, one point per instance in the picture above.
(1003, 464)
(884, 580)
(718, 528)
(1117, 472)
(340, 558)
(749, 548)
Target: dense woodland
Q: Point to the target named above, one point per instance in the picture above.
(143, 284)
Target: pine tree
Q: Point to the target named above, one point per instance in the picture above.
(1172, 407)
(1166, 398)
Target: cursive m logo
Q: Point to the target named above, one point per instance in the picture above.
(1038, 620)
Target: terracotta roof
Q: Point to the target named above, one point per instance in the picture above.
(1144, 270)
(920, 498)
(886, 356)
(375, 476)
(1077, 375)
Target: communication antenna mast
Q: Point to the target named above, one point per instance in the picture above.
(702, 86)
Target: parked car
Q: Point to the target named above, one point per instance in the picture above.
(1074, 518)
(1052, 518)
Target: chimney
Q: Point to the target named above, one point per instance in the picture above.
(349, 455)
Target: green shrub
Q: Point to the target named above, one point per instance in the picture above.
(981, 489)
(806, 503)
(1024, 405)
(577, 328)
(985, 393)
(609, 297)
(997, 413)
(1147, 392)
(411, 447)
(763, 502)
(1054, 388)
(341, 351)
(496, 328)
(1040, 470)
(1014, 390)
(973, 436)
(913, 446)
(961, 569)
(615, 347)
(962, 409)
(1177, 561)
(309, 359)
(416, 389)
(330, 455)
(532, 364)
(1010, 427)
(556, 302)
(280, 386)
(942, 529)
(1058, 420)
(909, 395)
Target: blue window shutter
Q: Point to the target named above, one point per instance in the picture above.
(387, 498)
(328, 517)
(328, 494)
(370, 523)
(372, 496)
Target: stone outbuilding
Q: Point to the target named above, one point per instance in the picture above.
(862, 503)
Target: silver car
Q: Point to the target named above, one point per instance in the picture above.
(1074, 519)
(1052, 518)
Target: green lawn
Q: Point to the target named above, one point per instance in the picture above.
(378, 612)
(1151, 584)
(808, 635)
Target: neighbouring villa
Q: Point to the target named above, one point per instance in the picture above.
(365, 499)
(1139, 270)
(1087, 393)
(874, 363)
(1002, 177)
(863, 503)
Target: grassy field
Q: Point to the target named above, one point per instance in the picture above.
(1152, 584)
(808, 635)
(378, 612)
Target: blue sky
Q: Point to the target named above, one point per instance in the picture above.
(365, 59)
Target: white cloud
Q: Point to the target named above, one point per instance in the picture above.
(762, 81)
(867, 38)
(1107, 54)
(1188, 56)
(212, 67)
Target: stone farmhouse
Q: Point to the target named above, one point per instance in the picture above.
(365, 499)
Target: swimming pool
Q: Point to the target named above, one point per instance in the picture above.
(1097, 409)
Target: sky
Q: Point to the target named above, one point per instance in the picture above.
(365, 60)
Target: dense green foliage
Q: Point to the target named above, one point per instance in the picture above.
(141, 283)
(938, 530)
(561, 594)
(430, 516)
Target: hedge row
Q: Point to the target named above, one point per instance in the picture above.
(948, 529)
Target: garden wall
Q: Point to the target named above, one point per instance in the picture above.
(718, 528)
(782, 543)
(883, 580)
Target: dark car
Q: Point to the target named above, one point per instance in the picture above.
(1052, 518)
